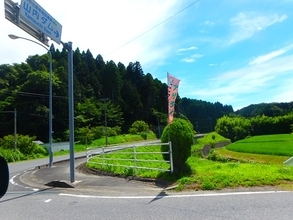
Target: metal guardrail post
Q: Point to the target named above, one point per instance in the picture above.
(103, 154)
(134, 156)
(171, 157)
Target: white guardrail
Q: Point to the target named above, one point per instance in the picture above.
(99, 154)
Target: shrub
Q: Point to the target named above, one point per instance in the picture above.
(40, 150)
(25, 144)
(181, 137)
(11, 155)
(7, 142)
(113, 131)
(26, 148)
(117, 130)
(138, 126)
(216, 157)
(84, 135)
(98, 132)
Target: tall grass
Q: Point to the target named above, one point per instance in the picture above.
(210, 175)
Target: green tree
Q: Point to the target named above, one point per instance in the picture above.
(236, 128)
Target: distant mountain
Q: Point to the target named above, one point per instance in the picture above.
(267, 109)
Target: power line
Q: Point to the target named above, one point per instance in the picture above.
(30, 94)
(153, 27)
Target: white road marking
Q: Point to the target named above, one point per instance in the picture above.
(16, 184)
(48, 200)
(171, 196)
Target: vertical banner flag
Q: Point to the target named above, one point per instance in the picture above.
(173, 85)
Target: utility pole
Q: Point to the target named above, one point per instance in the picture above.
(15, 131)
(15, 127)
(105, 113)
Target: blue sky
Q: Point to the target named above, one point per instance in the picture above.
(236, 52)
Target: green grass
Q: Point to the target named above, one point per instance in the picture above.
(248, 157)
(279, 145)
(210, 138)
(269, 138)
(126, 158)
(208, 175)
(253, 170)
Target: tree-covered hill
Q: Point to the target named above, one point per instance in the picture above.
(267, 109)
(124, 93)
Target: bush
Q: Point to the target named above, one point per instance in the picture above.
(181, 137)
(25, 144)
(84, 135)
(40, 150)
(113, 131)
(26, 148)
(144, 135)
(12, 156)
(216, 157)
(7, 142)
(98, 132)
(138, 127)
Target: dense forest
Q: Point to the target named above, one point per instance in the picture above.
(123, 94)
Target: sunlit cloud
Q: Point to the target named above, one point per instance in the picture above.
(269, 56)
(245, 25)
(192, 58)
(187, 49)
(231, 86)
(208, 23)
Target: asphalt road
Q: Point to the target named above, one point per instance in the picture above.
(59, 204)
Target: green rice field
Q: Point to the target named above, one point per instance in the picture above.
(279, 145)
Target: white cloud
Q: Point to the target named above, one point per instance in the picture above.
(124, 31)
(187, 49)
(269, 56)
(191, 59)
(208, 23)
(245, 25)
(246, 83)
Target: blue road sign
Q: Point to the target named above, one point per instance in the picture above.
(31, 12)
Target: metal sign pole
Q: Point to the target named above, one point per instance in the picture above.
(68, 46)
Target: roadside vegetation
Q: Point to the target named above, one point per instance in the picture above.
(26, 147)
(223, 168)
